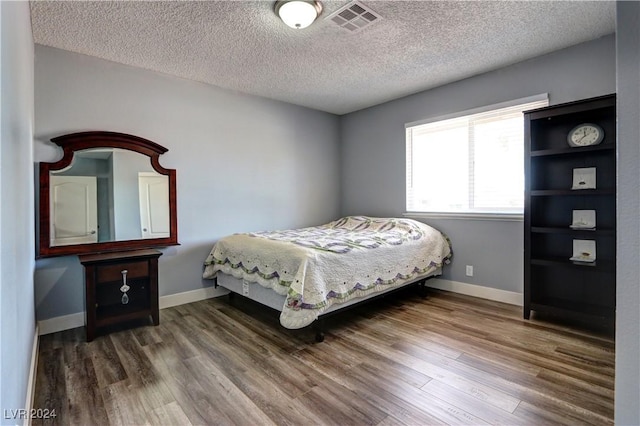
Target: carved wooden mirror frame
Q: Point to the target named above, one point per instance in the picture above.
(87, 140)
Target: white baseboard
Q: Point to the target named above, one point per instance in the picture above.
(187, 297)
(510, 297)
(31, 384)
(67, 322)
(64, 322)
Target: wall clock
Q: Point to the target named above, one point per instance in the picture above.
(585, 134)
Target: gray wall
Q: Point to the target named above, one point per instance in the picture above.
(373, 151)
(17, 317)
(243, 163)
(627, 410)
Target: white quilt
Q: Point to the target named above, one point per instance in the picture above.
(318, 266)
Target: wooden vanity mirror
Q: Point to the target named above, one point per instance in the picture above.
(107, 193)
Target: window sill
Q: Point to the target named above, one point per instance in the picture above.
(501, 217)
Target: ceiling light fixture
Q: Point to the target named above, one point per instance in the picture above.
(298, 14)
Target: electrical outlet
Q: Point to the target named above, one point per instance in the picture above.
(469, 270)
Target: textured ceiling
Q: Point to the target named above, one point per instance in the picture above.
(243, 46)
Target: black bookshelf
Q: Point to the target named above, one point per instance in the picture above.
(554, 284)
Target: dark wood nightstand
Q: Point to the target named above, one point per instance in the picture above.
(107, 302)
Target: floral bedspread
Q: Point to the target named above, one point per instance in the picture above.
(316, 267)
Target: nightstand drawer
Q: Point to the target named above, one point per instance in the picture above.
(106, 273)
(110, 294)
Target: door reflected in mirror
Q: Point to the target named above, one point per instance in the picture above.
(106, 195)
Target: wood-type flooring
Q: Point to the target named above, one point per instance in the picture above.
(444, 359)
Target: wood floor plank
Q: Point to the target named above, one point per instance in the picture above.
(415, 337)
(443, 411)
(558, 414)
(442, 372)
(548, 360)
(392, 421)
(397, 399)
(146, 335)
(603, 394)
(224, 361)
(403, 360)
(536, 391)
(249, 403)
(52, 385)
(170, 414)
(106, 362)
(141, 373)
(287, 378)
(351, 410)
(89, 407)
(400, 399)
(371, 387)
(475, 406)
(271, 332)
(579, 394)
(390, 366)
(512, 316)
(183, 385)
(123, 404)
(431, 368)
(492, 361)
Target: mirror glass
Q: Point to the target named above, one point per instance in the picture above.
(105, 195)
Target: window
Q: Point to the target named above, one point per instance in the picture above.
(471, 163)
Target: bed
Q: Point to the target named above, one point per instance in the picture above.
(310, 272)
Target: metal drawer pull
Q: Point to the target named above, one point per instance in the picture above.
(125, 287)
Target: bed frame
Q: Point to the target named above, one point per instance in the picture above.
(268, 297)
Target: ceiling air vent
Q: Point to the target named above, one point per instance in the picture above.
(354, 16)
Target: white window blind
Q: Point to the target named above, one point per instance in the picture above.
(473, 163)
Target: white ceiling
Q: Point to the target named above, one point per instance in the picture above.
(243, 46)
